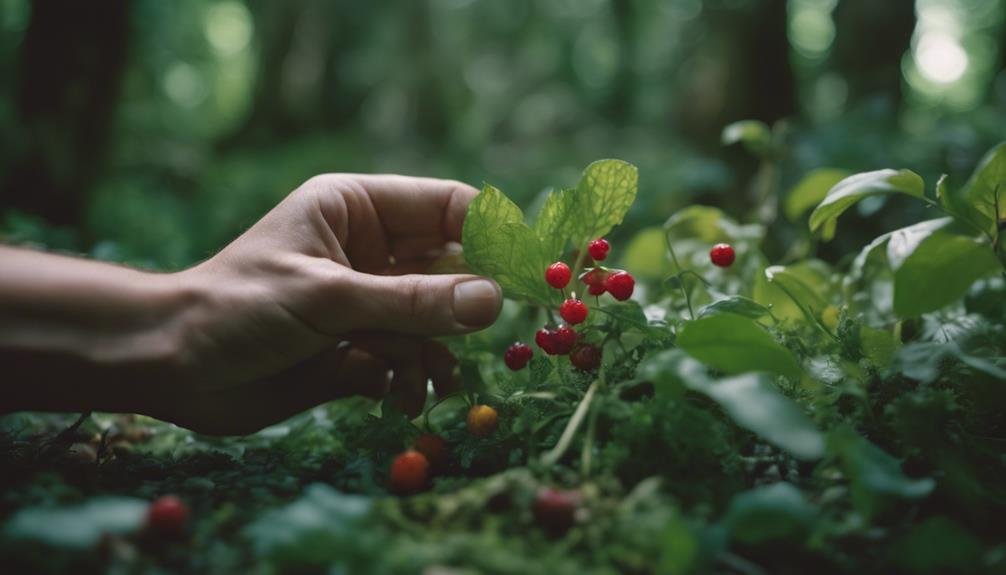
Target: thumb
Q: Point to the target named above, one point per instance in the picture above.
(416, 304)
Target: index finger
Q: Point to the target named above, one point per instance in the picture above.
(411, 206)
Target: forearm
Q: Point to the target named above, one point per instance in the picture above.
(80, 335)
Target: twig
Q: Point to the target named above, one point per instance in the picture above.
(566, 438)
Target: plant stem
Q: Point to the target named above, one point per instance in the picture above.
(566, 438)
(674, 258)
(588, 444)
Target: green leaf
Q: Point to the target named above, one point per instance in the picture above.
(773, 512)
(874, 475)
(322, 526)
(597, 204)
(671, 370)
(854, 188)
(738, 305)
(787, 288)
(646, 255)
(558, 222)
(603, 196)
(498, 244)
(939, 271)
(81, 526)
(756, 136)
(736, 344)
(938, 545)
(981, 190)
(811, 190)
(753, 402)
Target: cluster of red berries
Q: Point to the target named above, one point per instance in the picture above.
(563, 339)
(412, 469)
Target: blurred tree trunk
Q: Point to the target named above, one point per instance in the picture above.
(70, 67)
(619, 105)
(872, 38)
(741, 71)
(275, 28)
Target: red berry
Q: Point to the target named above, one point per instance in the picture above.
(433, 447)
(555, 509)
(563, 340)
(722, 255)
(573, 311)
(545, 338)
(167, 515)
(517, 356)
(598, 249)
(557, 275)
(594, 276)
(482, 420)
(620, 285)
(596, 289)
(586, 357)
(410, 472)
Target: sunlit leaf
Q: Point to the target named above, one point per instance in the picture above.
(854, 188)
(735, 344)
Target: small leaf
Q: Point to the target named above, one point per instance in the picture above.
(738, 305)
(736, 344)
(811, 190)
(986, 189)
(756, 136)
(874, 475)
(498, 244)
(854, 188)
(603, 196)
(753, 402)
(768, 513)
(939, 271)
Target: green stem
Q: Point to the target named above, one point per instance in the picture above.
(588, 444)
(566, 438)
(806, 313)
(674, 258)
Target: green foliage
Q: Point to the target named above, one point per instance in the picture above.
(855, 188)
(736, 344)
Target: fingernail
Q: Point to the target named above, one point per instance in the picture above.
(476, 302)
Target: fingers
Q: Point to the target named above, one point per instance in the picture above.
(414, 362)
(428, 305)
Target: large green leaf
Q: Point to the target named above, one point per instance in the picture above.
(854, 188)
(735, 344)
(939, 271)
(500, 245)
(986, 189)
(874, 475)
(597, 204)
(809, 191)
(738, 305)
(753, 402)
(770, 512)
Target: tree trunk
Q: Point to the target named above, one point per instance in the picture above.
(871, 41)
(70, 66)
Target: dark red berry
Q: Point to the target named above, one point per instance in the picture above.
(563, 340)
(167, 515)
(586, 357)
(433, 447)
(598, 249)
(410, 472)
(545, 338)
(517, 356)
(558, 275)
(596, 289)
(594, 276)
(555, 510)
(620, 285)
(573, 311)
(722, 255)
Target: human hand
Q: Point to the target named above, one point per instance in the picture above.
(323, 298)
